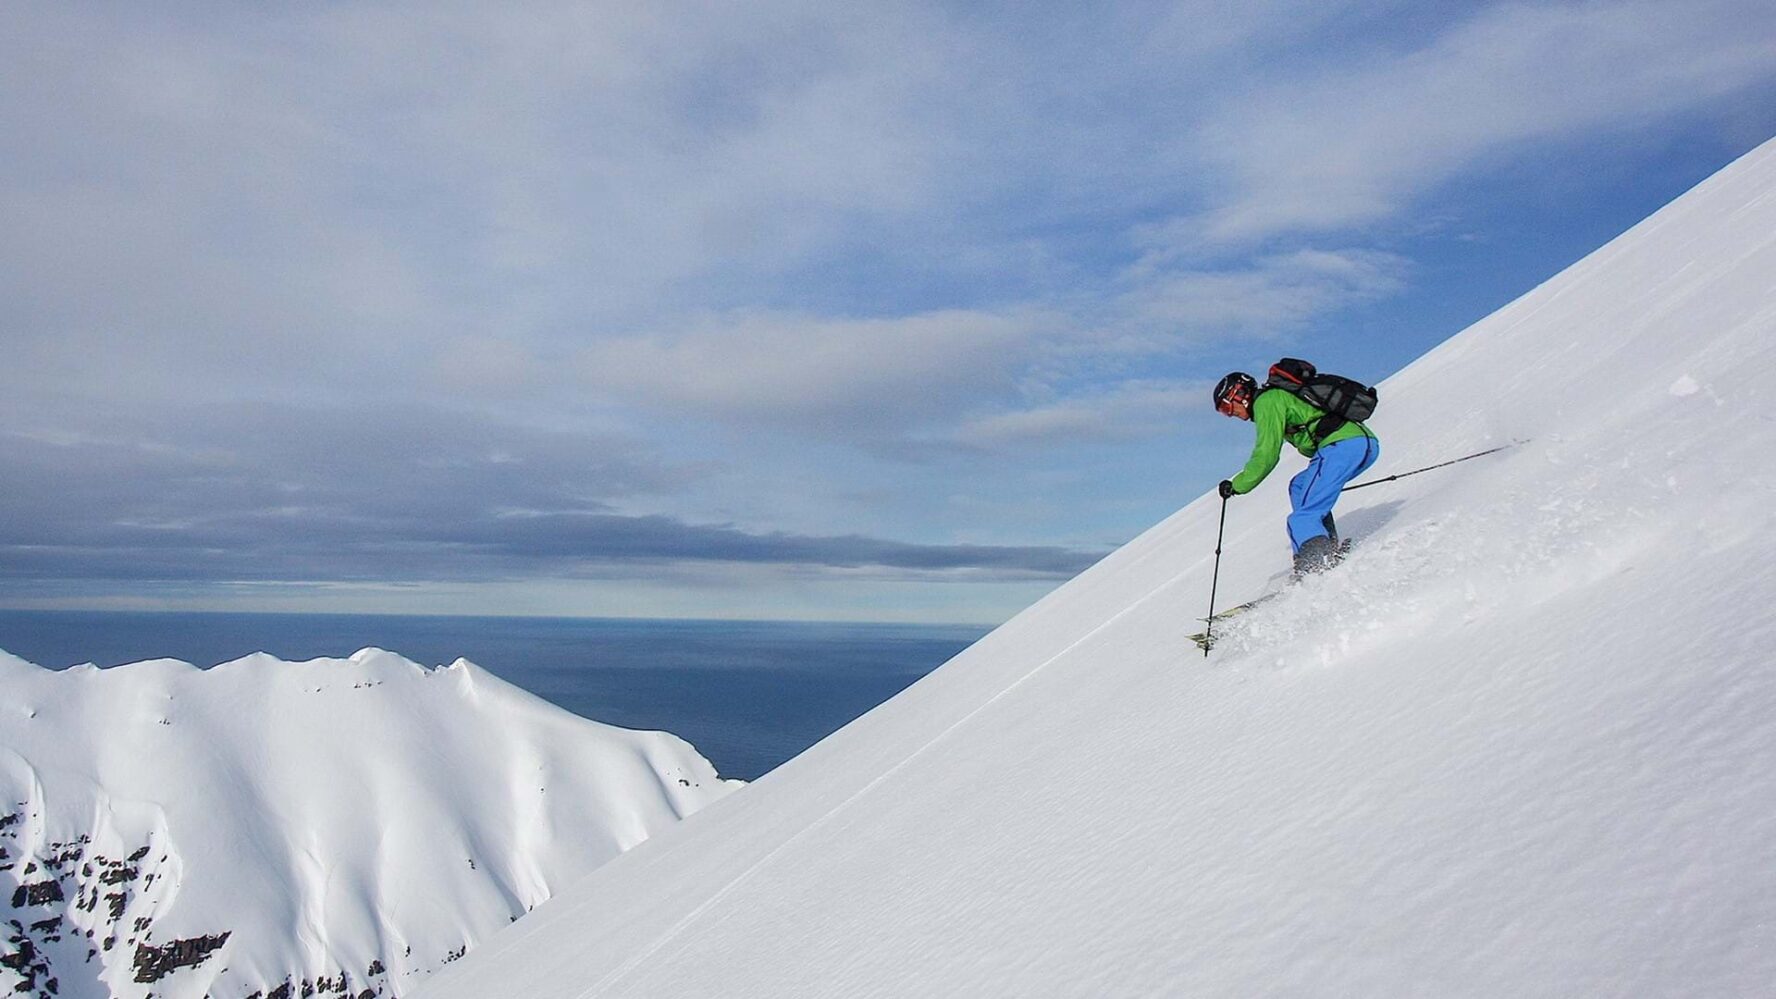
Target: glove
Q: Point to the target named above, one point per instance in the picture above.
(1226, 488)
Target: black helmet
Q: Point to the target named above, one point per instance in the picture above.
(1237, 389)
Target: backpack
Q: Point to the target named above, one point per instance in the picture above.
(1342, 399)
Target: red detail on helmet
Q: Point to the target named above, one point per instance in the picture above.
(1237, 401)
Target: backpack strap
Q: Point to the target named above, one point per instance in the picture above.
(1326, 426)
(1322, 425)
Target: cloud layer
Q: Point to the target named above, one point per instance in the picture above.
(469, 292)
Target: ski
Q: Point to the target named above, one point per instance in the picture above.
(1281, 582)
(1202, 638)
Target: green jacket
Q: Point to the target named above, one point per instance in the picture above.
(1281, 415)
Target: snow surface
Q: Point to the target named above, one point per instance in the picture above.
(1523, 743)
(350, 824)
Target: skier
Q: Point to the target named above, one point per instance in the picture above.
(1339, 450)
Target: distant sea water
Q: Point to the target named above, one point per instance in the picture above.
(748, 695)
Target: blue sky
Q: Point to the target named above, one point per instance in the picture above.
(777, 310)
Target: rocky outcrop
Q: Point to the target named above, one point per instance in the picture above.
(154, 963)
(292, 830)
(67, 907)
(70, 903)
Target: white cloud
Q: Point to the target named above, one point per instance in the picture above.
(1354, 143)
(869, 375)
(1127, 411)
(338, 190)
(483, 365)
(1263, 297)
(618, 153)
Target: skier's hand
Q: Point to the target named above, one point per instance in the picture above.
(1226, 488)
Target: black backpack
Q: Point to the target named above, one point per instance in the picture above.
(1342, 399)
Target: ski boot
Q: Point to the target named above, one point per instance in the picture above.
(1316, 555)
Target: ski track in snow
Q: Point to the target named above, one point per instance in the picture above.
(616, 976)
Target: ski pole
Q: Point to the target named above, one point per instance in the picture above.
(1215, 581)
(1453, 461)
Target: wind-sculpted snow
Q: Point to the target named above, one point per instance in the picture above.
(339, 827)
(1523, 743)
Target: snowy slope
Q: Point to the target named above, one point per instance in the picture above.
(1523, 743)
(340, 827)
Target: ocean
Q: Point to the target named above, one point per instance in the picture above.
(748, 695)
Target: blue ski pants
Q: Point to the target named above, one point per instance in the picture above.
(1315, 488)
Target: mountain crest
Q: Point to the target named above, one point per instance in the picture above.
(337, 827)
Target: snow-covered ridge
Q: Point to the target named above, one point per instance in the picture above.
(1523, 743)
(336, 827)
